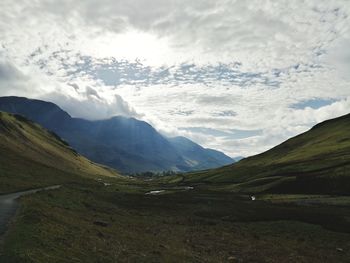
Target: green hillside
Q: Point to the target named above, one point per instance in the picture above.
(317, 161)
(33, 157)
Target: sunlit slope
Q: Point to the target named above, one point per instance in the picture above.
(315, 161)
(31, 156)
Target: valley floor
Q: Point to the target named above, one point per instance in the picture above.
(117, 222)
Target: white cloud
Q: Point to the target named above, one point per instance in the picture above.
(177, 64)
(260, 34)
(92, 108)
(339, 57)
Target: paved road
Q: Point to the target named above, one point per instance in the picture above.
(9, 205)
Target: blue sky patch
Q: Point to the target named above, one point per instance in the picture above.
(313, 103)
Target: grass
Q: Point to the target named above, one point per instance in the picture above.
(33, 157)
(306, 199)
(90, 222)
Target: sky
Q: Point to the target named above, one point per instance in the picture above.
(233, 75)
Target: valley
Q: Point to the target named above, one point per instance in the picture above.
(247, 212)
(91, 222)
(173, 131)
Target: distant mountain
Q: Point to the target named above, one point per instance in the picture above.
(31, 156)
(198, 157)
(238, 158)
(127, 144)
(317, 161)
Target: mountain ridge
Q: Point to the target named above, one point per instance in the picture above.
(127, 144)
(197, 154)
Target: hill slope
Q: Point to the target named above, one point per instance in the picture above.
(127, 144)
(33, 157)
(317, 161)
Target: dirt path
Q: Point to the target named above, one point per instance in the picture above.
(9, 205)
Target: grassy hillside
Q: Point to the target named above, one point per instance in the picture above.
(32, 157)
(317, 161)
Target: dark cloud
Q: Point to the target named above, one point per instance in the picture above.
(75, 86)
(91, 92)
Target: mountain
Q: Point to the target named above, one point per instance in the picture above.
(32, 156)
(317, 161)
(238, 158)
(127, 144)
(197, 156)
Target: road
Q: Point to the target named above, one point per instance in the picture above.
(9, 205)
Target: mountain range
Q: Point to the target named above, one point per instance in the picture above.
(126, 144)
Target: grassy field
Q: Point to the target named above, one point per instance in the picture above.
(91, 222)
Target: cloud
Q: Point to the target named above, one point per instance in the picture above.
(92, 108)
(78, 101)
(339, 56)
(197, 68)
(13, 81)
(91, 92)
(75, 86)
(8, 72)
(260, 35)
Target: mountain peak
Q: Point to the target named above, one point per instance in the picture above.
(33, 109)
